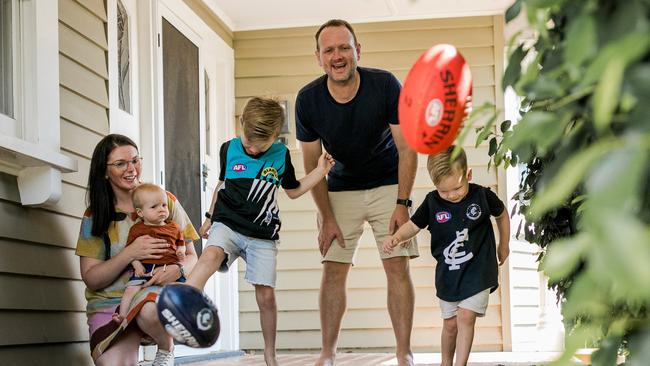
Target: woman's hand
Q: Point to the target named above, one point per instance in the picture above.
(146, 247)
(164, 274)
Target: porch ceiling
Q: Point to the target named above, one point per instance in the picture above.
(242, 15)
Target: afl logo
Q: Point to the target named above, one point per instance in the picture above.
(239, 167)
(433, 113)
(443, 216)
(473, 211)
(204, 319)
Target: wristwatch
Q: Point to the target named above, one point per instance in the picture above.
(404, 201)
(208, 216)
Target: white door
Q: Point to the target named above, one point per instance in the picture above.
(214, 77)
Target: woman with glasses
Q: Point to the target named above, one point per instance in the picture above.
(105, 261)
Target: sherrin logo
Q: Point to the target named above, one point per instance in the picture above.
(178, 330)
(443, 216)
(433, 113)
(239, 167)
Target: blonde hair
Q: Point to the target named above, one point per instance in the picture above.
(441, 166)
(136, 195)
(262, 119)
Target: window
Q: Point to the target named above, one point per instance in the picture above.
(8, 20)
(29, 99)
(123, 68)
(123, 58)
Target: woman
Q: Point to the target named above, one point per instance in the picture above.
(114, 172)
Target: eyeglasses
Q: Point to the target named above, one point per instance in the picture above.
(123, 164)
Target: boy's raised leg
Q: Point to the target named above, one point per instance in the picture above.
(466, 320)
(265, 296)
(208, 264)
(448, 341)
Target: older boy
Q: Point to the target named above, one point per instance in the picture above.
(244, 218)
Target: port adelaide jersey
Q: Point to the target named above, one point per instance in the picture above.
(247, 202)
(462, 241)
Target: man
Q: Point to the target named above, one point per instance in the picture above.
(351, 111)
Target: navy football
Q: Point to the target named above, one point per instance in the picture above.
(188, 315)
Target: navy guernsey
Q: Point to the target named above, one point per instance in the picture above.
(462, 241)
(247, 202)
(357, 133)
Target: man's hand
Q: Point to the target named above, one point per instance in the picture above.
(503, 251)
(399, 217)
(328, 230)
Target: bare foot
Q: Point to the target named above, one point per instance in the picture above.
(118, 318)
(406, 360)
(325, 361)
(270, 360)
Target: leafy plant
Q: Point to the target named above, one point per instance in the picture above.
(584, 140)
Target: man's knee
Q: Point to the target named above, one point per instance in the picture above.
(397, 268)
(335, 272)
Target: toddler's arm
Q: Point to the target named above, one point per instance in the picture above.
(402, 235)
(138, 267)
(325, 163)
(503, 225)
(180, 252)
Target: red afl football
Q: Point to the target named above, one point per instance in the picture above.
(432, 101)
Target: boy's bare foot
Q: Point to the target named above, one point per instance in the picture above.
(270, 359)
(325, 361)
(406, 360)
(118, 318)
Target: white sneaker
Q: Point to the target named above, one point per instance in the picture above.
(163, 358)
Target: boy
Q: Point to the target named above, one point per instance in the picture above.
(150, 202)
(244, 220)
(457, 214)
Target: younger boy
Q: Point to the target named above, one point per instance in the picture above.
(244, 220)
(457, 215)
(150, 202)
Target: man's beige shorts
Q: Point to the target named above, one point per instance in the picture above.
(352, 209)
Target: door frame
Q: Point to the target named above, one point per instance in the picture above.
(217, 59)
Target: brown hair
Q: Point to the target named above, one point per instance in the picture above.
(262, 119)
(335, 23)
(136, 195)
(440, 165)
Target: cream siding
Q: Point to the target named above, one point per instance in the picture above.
(43, 299)
(278, 63)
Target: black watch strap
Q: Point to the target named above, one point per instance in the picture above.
(404, 201)
(208, 215)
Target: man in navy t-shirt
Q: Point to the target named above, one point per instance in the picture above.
(351, 111)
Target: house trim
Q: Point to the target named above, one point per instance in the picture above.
(34, 156)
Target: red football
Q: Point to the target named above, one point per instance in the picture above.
(432, 101)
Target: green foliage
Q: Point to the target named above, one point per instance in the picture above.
(584, 140)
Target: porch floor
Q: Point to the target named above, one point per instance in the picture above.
(384, 359)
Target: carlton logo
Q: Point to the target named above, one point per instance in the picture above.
(239, 167)
(443, 216)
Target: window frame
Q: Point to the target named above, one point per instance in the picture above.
(33, 153)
